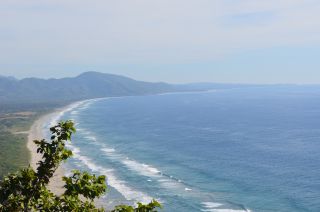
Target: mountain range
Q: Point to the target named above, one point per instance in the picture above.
(31, 92)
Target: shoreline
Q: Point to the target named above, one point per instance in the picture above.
(36, 133)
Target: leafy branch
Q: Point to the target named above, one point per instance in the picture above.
(27, 190)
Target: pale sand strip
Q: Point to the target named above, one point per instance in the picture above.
(35, 133)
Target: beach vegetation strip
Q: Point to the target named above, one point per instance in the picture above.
(14, 129)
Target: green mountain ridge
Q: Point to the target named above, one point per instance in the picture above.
(86, 85)
(33, 93)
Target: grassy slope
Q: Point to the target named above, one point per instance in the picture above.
(13, 150)
(13, 153)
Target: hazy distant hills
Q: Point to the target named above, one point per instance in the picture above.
(34, 91)
(84, 86)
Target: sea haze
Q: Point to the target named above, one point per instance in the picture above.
(247, 149)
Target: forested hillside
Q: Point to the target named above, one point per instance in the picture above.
(87, 85)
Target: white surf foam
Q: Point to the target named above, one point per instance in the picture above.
(120, 186)
(75, 112)
(146, 170)
(73, 109)
(108, 150)
(92, 138)
(210, 205)
(84, 131)
(55, 120)
(218, 207)
(223, 210)
(141, 168)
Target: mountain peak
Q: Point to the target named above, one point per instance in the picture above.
(95, 73)
(87, 85)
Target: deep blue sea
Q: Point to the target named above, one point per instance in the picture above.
(247, 149)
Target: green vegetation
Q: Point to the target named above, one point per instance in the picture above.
(13, 136)
(13, 152)
(37, 93)
(16, 122)
(34, 92)
(27, 189)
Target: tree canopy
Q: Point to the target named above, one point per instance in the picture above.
(27, 190)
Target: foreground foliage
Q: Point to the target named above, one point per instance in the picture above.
(27, 189)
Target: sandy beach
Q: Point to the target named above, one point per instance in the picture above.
(36, 133)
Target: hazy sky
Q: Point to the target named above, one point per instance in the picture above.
(255, 41)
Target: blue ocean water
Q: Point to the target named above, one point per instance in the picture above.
(248, 149)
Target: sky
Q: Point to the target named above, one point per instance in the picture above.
(177, 41)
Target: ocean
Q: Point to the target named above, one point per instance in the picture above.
(232, 150)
